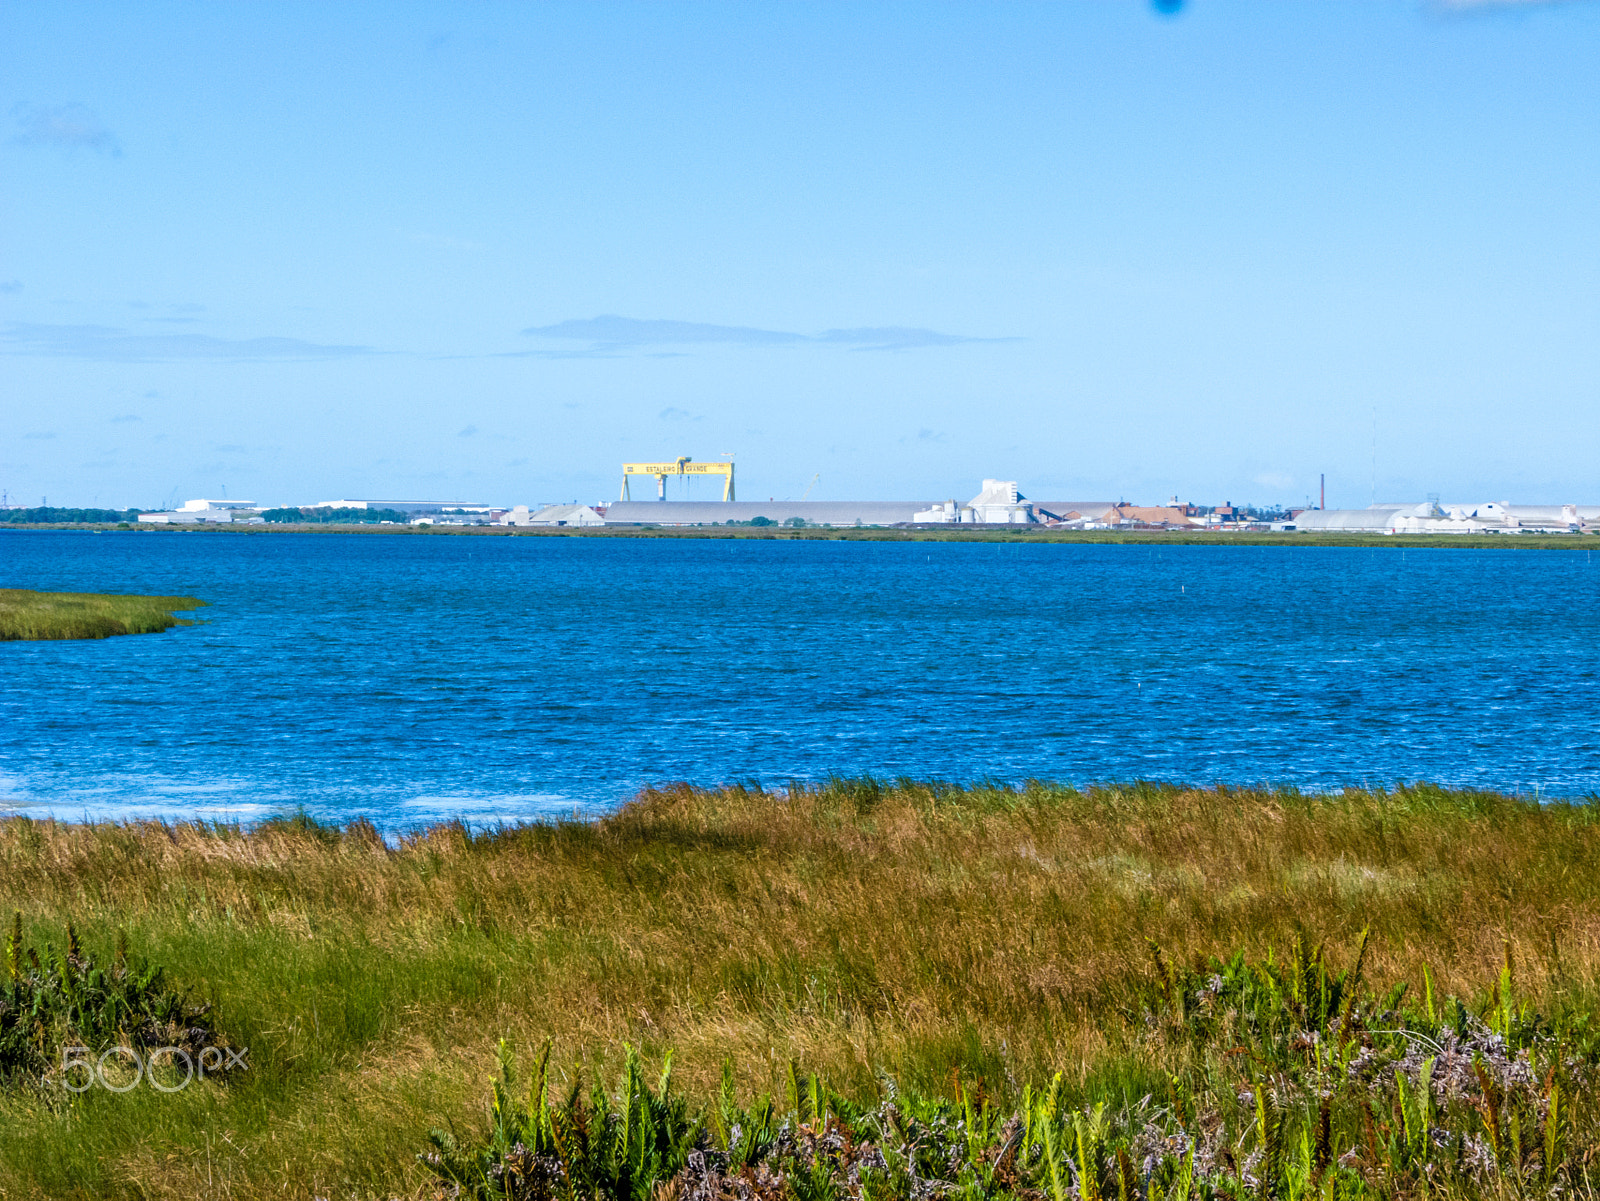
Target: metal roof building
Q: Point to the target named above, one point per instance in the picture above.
(719, 512)
(560, 515)
(812, 512)
(1433, 518)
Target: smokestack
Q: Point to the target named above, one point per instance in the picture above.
(1324, 483)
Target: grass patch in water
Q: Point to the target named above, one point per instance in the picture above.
(27, 616)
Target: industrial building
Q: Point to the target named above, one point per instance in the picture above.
(1431, 517)
(573, 515)
(720, 512)
(195, 512)
(999, 503)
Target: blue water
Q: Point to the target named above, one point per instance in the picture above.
(410, 679)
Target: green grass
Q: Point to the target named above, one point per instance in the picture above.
(919, 944)
(28, 615)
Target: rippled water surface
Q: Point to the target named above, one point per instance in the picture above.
(414, 678)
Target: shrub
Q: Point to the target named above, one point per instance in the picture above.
(294, 516)
(55, 515)
(65, 1000)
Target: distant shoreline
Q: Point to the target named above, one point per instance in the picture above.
(1014, 534)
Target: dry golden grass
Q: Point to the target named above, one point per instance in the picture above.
(857, 928)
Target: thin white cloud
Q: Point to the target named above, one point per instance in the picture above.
(72, 126)
(101, 343)
(613, 331)
(610, 334)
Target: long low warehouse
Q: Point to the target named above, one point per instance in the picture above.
(719, 512)
(812, 512)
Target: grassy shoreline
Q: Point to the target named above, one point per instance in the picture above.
(926, 934)
(1298, 539)
(50, 616)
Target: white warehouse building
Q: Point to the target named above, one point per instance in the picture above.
(572, 515)
(1431, 517)
(193, 512)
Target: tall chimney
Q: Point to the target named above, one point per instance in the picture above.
(1324, 479)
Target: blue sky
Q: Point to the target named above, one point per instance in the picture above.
(490, 251)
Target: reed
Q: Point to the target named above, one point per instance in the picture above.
(950, 942)
(26, 615)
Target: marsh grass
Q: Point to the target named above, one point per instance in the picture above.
(28, 615)
(1286, 1079)
(945, 939)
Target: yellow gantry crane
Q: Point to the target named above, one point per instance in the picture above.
(681, 467)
